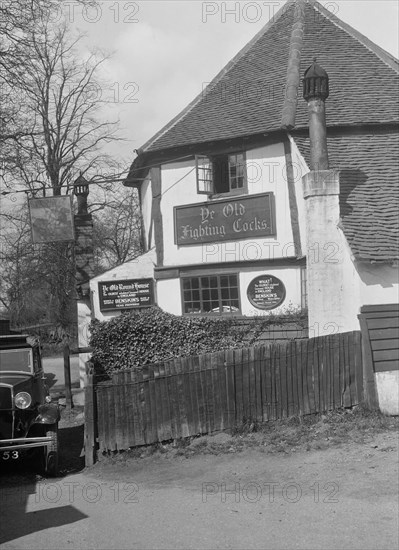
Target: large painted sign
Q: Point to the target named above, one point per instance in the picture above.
(266, 292)
(127, 294)
(51, 219)
(225, 220)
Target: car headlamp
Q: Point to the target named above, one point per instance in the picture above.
(22, 400)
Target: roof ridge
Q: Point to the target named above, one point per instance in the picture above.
(219, 75)
(382, 54)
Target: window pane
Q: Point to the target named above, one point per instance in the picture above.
(205, 282)
(234, 293)
(224, 281)
(194, 282)
(225, 292)
(214, 294)
(213, 282)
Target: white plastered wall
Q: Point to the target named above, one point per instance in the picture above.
(266, 170)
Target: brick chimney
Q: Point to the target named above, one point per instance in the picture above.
(84, 252)
(84, 262)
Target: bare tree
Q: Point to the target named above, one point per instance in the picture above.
(117, 230)
(55, 133)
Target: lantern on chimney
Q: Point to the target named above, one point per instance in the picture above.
(315, 83)
(81, 190)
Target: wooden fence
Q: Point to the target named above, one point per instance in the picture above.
(218, 391)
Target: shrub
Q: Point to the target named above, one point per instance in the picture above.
(138, 338)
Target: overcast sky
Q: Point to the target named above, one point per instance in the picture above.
(163, 51)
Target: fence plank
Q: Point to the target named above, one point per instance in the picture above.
(246, 406)
(192, 388)
(156, 398)
(347, 392)
(238, 372)
(251, 384)
(183, 425)
(352, 367)
(230, 388)
(133, 410)
(334, 353)
(214, 391)
(90, 417)
(283, 380)
(358, 366)
(203, 404)
(298, 375)
(259, 386)
(273, 382)
(173, 399)
(291, 397)
(198, 395)
(221, 372)
(119, 419)
(188, 401)
(305, 368)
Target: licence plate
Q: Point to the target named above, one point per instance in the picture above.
(9, 455)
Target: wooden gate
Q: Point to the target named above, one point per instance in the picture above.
(380, 336)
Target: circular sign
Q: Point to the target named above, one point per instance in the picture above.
(266, 292)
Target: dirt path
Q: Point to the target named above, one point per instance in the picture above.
(340, 498)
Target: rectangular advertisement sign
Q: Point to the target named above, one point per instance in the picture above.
(128, 294)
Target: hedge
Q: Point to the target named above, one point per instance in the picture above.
(134, 339)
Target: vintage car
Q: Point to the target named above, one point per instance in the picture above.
(28, 419)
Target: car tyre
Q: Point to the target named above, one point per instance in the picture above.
(51, 452)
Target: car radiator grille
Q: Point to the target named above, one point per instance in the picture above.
(6, 416)
(5, 397)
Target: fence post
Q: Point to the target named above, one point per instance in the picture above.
(90, 418)
(67, 374)
(369, 385)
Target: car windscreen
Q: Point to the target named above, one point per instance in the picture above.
(16, 360)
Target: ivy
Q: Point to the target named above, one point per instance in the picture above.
(134, 339)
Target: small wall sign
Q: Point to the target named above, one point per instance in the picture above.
(266, 292)
(129, 294)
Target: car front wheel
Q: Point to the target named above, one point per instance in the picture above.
(51, 451)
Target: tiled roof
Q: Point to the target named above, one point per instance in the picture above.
(369, 196)
(247, 97)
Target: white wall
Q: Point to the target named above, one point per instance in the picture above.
(379, 284)
(146, 207)
(266, 173)
(169, 296)
(300, 168)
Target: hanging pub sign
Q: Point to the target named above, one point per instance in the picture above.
(225, 220)
(266, 292)
(51, 219)
(128, 294)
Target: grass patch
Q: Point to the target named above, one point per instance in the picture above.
(295, 434)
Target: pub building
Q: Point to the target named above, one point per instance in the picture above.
(276, 188)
